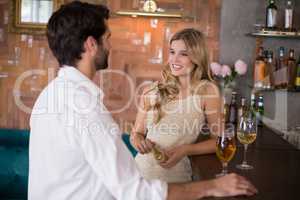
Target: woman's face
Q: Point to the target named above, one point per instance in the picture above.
(179, 61)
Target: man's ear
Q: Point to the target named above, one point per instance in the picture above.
(91, 45)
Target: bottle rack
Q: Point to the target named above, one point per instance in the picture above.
(275, 34)
(260, 35)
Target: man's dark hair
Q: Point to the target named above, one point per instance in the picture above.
(71, 25)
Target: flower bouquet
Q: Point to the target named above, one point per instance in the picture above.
(226, 75)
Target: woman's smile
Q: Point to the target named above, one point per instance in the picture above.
(179, 61)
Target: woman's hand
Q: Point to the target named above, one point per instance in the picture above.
(141, 144)
(174, 155)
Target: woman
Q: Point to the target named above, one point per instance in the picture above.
(172, 112)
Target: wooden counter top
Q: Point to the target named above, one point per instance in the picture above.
(276, 171)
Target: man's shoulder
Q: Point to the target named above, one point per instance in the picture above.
(43, 101)
(62, 95)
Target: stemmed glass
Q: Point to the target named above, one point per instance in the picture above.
(226, 148)
(246, 134)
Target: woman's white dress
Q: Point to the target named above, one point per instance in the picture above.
(181, 124)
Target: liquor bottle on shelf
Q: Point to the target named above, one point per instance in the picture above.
(291, 68)
(233, 109)
(259, 69)
(280, 73)
(288, 16)
(271, 15)
(297, 80)
(266, 79)
(266, 52)
(260, 109)
(280, 60)
(253, 101)
(242, 109)
(270, 68)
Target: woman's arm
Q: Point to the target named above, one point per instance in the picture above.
(211, 104)
(138, 134)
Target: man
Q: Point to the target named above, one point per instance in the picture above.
(76, 151)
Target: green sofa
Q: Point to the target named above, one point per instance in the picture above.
(14, 163)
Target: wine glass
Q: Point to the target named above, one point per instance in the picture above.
(225, 149)
(246, 134)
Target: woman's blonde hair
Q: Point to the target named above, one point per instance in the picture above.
(168, 88)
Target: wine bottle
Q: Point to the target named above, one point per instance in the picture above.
(253, 101)
(260, 109)
(158, 154)
(242, 109)
(291, 67)
(280, 61)
(288, 16)
(297, 80)
(270, 68)
(233, 109)
(259, 69)
(225, 111)
(280, 64)
(271, 18)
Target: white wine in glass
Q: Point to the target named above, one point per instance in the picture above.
(246, 138)
(225, 151)
(246, 134)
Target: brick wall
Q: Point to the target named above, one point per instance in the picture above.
(139, 52)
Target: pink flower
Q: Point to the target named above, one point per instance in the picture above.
(216, 68)
(226, 71)
(240, 67)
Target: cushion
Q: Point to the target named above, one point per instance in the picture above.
(13, 163)
(126, 139)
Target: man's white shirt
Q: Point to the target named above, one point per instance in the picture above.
(75, 149)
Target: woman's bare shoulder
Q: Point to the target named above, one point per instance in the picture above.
(206, 87)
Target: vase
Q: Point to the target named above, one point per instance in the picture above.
(227, 93)
(226, 90)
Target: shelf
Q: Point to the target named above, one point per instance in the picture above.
(276, 34)
(277, 90)
(136, 13)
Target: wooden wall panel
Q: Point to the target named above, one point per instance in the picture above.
(139, 52)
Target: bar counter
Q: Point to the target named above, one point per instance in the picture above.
(276, 172)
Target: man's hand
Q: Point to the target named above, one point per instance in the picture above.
(232, 185)
(225, 186)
